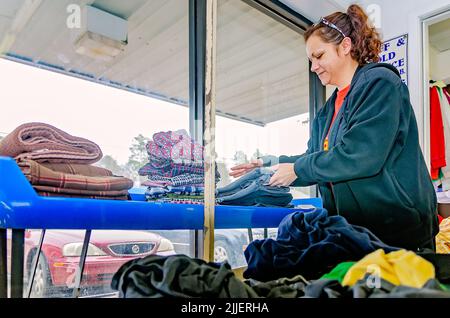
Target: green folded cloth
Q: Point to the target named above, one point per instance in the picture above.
(339, 271)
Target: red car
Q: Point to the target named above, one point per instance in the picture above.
(108, 250)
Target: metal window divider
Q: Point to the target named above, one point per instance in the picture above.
(3, 264)
(34, 264)
(250, 234)
(82, 261)
(17, 262)
(197, 34)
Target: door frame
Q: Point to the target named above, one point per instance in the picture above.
(426, 21)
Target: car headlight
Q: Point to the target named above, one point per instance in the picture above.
(165, 245)
(74, 249)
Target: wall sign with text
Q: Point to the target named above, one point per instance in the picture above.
(395, 52)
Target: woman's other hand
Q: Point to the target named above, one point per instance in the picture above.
(243, 168)
(284, 175)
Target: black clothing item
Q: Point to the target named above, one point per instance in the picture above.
(281, 288)
(178, 276)
(374, 173)
(328, 288)
(181, 276)
(431, 289)
(441, 263)
(309, 244)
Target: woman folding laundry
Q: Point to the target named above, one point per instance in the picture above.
(364, 152)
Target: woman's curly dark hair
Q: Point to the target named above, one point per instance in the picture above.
(366, 42)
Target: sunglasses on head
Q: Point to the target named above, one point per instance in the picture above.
(331, 25)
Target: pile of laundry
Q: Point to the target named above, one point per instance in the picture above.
(314, 256)
(175, 171)
(59, 164)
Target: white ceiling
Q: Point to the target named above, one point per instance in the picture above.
(262, 73)
(8, 9)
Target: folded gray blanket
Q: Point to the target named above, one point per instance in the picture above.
(44, 143)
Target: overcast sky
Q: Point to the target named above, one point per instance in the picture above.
(112, 117)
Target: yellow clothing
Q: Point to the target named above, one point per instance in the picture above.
(399, 268)
(443, 237)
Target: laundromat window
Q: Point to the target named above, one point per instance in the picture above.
(262, 88)
(262, 94)
(115, 73)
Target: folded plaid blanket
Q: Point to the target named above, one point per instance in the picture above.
(157, 184)
(172, 170)
(191, 189)
(185, 196)
(167, 164)
(181, 192)
(53, 194)
(176, 201)
(76, 168)
(176, 146)
(157, 162)
(45, 143)
(162, 184)
(183, 152)
(181, 180)
(186, 201)
(47, 189)
(171, 138)
(37, 174)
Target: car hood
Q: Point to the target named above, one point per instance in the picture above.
(102, 236)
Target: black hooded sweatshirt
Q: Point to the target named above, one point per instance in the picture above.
(374, 173)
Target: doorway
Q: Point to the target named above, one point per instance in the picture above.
(436, 88)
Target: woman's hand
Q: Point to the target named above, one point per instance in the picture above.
(284, 175)
(242, 169)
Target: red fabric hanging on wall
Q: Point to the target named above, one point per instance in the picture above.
(437, 141)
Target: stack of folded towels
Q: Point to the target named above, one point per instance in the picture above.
(59, 164)
(181, 194)
(175, 170)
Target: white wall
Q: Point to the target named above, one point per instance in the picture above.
(404, 16)
(440, 65)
